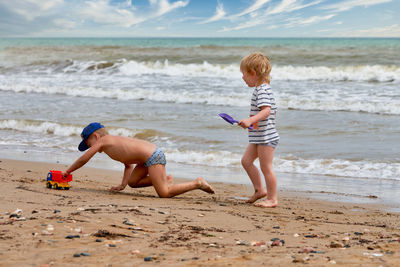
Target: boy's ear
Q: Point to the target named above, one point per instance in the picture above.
(96, 135)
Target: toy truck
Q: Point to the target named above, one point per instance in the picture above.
(56, 180)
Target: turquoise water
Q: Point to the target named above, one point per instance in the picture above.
(194, 42)
(282, 51)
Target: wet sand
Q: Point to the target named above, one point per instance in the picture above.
(48, 227)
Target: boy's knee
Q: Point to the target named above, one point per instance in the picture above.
(132, 185)
(164, 194)
(245, 162)
(267, 171)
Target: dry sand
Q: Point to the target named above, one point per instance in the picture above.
(46, 227)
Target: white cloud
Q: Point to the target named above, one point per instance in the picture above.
(101, 12)
(248, 24)
(53, 17)
(254, 7)
(219, 14)
(287, 6)
(164, 6)
(105, 13)
(31, 9)
(65, 23)
(315, 19)
(347, 5)
(307, 21)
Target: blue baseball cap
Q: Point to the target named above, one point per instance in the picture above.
(87, 131)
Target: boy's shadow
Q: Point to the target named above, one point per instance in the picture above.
(108, 193)
(105, 192)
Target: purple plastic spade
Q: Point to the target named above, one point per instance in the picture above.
(228, 118)
(231, 120)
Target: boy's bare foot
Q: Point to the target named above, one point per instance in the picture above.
(257, 195)
(170, 179)
(203, 185)
(267, 203)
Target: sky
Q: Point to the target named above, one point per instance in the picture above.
(199, 18)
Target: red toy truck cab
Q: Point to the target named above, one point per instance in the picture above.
(56, 180)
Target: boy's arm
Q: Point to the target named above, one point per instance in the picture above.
(84, 158)
(263, 114)
(125, 179)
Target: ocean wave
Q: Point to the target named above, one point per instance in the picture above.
(204, 158)
(212, 158)
(167, 95)
(294, 165)
(358, 73)
(329, 101)
(363, 73)
(54, 128)
(44, 127)
(338, 167)
(350, 104)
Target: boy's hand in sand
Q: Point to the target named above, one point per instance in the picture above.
(117, 188)
(246, 123)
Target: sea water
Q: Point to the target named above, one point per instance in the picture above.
(338, 105)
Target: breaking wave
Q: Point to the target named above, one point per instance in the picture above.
(218, 158)
(359, 73)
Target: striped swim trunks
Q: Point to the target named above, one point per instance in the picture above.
(157, 157)
(273, 144)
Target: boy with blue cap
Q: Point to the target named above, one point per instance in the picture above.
(149, 160)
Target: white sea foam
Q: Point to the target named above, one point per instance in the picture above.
(359, 73)
(307, 100)
(216, 84)
(353, 103)
(58, 129)
(364, 73)
(207, 97)
(333, 167)
(204, 158)
(339, 167)
(214, 158)
(40, 127)
(176, 69)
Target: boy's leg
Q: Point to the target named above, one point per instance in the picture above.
(248, 159)
(159, 180)
(266, 156)
(139, 177)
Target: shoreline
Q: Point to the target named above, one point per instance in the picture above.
(331, 188)
(194, 229)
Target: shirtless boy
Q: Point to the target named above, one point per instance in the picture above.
(149, 160)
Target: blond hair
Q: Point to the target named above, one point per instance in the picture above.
(258, 63)
(102, 132)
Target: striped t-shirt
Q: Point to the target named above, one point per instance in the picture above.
(264, 131)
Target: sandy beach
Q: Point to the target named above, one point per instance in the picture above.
(88, 226)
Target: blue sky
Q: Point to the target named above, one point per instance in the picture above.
(200, 18)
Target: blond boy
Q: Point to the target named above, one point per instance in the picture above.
(149, 160)
(263, 137)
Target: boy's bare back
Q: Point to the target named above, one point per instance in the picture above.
(124, 149)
